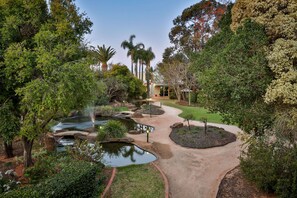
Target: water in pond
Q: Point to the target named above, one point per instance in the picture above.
(117, 154)
(124, 154)
(82, 123)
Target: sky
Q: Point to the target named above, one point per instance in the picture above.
(115, 20)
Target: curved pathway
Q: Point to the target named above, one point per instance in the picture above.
(191, 172)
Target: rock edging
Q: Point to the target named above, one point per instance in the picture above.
(165, 180)
(107, 191)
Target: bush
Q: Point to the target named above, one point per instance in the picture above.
(112, 129)
(8, 181)
(83, 150)
(42, 169)
(76, 179)
(194, 97)
(104, 111)
(172, 95)
(271, 166)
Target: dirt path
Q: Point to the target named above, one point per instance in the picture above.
(191, 172)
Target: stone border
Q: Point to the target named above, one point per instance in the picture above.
(165, 180)
(107, 191)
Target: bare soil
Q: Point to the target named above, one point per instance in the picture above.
(235, 185)
(151, 109)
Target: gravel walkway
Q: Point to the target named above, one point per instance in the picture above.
(191, 172)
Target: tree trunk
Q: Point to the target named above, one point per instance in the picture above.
(8, 150)
(189, 98)
(147, 82)
(142, 71)
(136, 68)
(205, 128)
(131, 64)
(104, 67)
(28, 144)
(189, 125)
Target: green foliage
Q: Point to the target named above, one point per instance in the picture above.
(76, 179)
(198, 112)
(9, 122)
(279, 20)
(8, 181)
(42, 169)
(194, 97)
(131, 49)
(105, 110)
(104, 54)
(271, 166)
(112, 129)
(236, 79)
(124, 83)
(189, 116)
(43, 65)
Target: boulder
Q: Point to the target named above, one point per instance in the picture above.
(134, 132)
(137, 115)
(177, 125)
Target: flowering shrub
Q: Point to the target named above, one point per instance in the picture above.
(83, 150)
(8, 181)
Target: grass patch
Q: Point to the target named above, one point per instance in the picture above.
(119, 109)
(137, 181)
(198, 112)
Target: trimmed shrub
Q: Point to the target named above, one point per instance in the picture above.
(112, 129)
(76, 179)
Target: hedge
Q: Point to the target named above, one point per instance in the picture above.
(77, 179)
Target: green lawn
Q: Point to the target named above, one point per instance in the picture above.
(141, 181)
(198, 112)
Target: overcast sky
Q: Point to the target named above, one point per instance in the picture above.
(115, 20)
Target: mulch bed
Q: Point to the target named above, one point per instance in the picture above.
(196, 138)
(155, 110)
(235, 185)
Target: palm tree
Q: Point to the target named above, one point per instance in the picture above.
(104, 55)
(131, 48)
(148, 57)
(138, 57)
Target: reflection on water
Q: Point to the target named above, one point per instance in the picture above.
(82, 123)
(124, 154)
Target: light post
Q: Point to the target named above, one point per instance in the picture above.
(147, 135)
(150, 109)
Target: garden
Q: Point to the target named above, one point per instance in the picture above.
(74, 125)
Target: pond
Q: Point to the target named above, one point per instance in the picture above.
(82, 123)
(123, 154)
(118, 154)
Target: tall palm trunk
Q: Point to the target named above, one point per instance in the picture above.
(142, 70)
(147, 75)
(132, 64)
(104, 67)
(136, 68)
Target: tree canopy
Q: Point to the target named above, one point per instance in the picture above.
(43, 64)
(234, 74)
(196, 25)
(280, 22)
